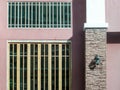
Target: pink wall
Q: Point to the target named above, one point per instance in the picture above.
(113, 46)
(6, 33)
(76, 35)
(113, 15)
(113, 67)
(3, 65)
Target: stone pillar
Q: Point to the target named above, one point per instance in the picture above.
(95, 45)
(95, 40)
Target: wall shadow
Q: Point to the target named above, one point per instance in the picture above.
(113, 37)
(78, 45)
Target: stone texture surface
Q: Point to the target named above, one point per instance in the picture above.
(95, 44)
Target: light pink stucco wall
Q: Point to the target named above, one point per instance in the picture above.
(22, 34)
(3, 65)
(76, 35)
(113, 15)
(113, 67)
(6, 33)
(113, 46)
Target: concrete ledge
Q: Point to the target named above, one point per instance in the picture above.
(95, 25)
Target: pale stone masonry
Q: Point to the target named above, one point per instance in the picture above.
(95, 40)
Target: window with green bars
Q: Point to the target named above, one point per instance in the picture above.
(39, 66)
(39, 14)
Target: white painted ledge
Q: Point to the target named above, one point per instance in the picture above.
(95, 25)
(39, 41)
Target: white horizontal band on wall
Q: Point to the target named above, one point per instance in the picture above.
(42, 41)
(95, 25)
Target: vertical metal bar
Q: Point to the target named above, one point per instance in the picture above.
(60, 66)
(33, 66)
(53, 14)
(49, 67)
(36, 15)
(8, 15)
(25, 13)
(18, 15)
(70, 68)
(39, 66)
(28, 67)
(46, 15)
(39, 15)
(13, 67)
(44, 67)
(23, 66)
(31, 14)
(63, 15)
(55, 66)
(57, 14)
(28, 14)
(42, 14)
(14, 14)
(8, 66)
(21, 14)
(50, 14)
(18, 66)
(67, 14)
(60, 15)
(11, 14)
(65, 66)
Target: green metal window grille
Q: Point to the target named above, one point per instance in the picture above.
(39, 14)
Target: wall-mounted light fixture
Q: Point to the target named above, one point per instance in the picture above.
(95, 61)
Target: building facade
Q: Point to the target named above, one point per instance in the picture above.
(59, 45)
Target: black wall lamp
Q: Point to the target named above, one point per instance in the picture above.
(95, 61)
